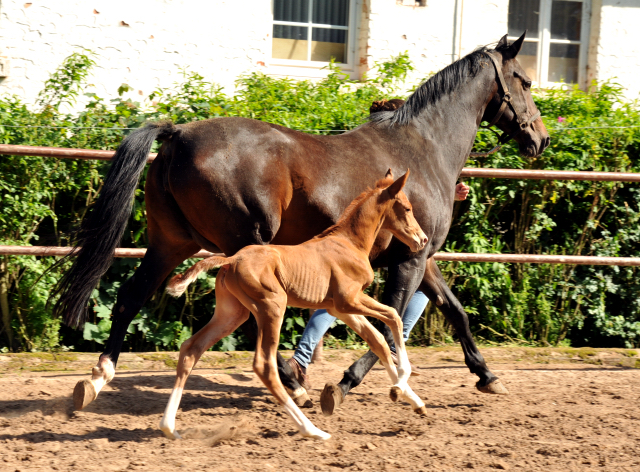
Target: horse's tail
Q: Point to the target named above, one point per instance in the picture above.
(179, 283)
(102, 229)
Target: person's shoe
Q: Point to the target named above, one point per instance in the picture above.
(299, 373)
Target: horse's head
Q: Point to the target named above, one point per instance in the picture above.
(513, 110)
(399, 218)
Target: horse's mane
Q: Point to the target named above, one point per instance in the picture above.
(354, 205)
(439, 85)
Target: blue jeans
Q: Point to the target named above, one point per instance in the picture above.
(321, 320)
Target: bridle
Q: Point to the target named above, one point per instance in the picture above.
(523, 123)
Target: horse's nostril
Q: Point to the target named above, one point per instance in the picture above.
(547, 142)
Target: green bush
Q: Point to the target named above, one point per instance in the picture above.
(42, 201)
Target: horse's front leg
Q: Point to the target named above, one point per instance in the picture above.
(437, 290)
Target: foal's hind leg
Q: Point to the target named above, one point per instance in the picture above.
(269, 317)
(296, 391)
(229, 314)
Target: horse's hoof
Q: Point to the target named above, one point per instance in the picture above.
(422, 411)
(395, 393)
(330, 399)
(318, 434)
(171, 434)
(303, 400)
(83, 394)
(496, 387)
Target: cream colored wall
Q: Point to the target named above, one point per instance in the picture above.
(144, 43)
(427, 33)
(618, 45)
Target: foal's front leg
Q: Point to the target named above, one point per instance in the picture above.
(390, 317)
(380, 348)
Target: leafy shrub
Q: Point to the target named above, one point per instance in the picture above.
(43, 200)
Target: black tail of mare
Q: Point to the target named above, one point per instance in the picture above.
(102, 229)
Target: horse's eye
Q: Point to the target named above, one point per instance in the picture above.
(526, 85)
(408, 209)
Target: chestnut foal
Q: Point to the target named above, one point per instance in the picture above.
(329, 271)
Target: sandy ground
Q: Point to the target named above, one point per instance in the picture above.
(567, 410)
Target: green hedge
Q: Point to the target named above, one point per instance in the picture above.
(42, 201)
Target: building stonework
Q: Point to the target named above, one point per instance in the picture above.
(147, 43)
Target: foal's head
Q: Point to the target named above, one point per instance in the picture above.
(398, 216)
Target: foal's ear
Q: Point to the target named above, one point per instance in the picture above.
(389, 174)
(515, 47)
(394, 188)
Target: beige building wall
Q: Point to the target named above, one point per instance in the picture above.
(618, 43)
(146, 43)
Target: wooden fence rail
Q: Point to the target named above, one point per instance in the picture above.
(441, 256)
(522, 174)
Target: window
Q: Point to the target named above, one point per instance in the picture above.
(555, 49)
(312, 32)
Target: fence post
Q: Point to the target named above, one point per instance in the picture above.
(4, 301)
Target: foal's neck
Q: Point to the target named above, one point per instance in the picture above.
(362, 225)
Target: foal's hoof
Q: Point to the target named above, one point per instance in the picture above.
(496, 387)
(395, 393)
(83, 394)
(422, 410)
(330, 399)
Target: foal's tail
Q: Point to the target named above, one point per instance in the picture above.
(102, 228)
(179, 283)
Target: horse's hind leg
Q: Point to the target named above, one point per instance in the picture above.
(155, 267)
(228, 315)
(437, 290)
(269, 317)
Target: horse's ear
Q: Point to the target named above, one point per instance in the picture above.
(515, 47)
(394, 188)
(389, 174)
(502, 43)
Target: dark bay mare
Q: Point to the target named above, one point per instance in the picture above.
(225, 183)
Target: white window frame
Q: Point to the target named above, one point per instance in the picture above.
(312, 69)
(544, 42)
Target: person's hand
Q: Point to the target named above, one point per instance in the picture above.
(462, 191)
